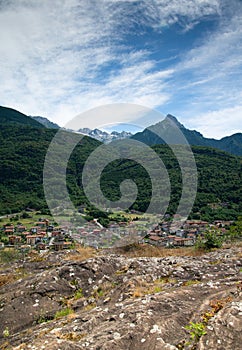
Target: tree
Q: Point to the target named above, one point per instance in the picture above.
(235, 231)
(211, 240)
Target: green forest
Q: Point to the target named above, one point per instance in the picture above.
(22, 156)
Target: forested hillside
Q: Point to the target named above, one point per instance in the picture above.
(219, 182)
(22, 155)
(9, 116)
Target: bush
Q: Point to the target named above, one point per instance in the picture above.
(7, 256)
(25, 215)
(235, 231)
(196, 330)
(211, 240)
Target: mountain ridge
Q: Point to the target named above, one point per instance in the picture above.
(46, 122)
(152, 135)
(10, 116)
(105, 136)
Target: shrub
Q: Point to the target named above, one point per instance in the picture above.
(196, 330)
(211, 240)
(9, 255)
(6, 332)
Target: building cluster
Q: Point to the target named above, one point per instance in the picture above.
(44, 236)
(40, 236)
(168, 234)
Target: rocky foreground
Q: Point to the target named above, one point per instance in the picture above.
(114, 302)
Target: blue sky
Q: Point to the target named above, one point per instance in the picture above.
(184, 57)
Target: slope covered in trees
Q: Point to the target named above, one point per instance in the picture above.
(9, 116)
(22, 155)
(219, 190)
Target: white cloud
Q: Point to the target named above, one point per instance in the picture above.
(185, 12)
(215, 124)
(61, 57)
(220, 51)
(54, 54)
(209, 78)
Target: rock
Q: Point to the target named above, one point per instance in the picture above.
(112, 302)
(224, 330)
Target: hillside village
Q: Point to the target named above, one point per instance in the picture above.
(45, 235)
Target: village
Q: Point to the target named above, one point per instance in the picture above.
(45, 235)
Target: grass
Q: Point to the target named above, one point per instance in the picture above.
(5, 279)
(72, 336)
(8, 255)
(28, 222)
(90, 306)
(81, 253)
(16, 274)
(64, 312)
(147, 250)
(140, 291)
(103, 290)
(190, 282)
(78, 294)
(145, 288)
(34, 256)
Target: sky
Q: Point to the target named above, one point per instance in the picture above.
(59, 58)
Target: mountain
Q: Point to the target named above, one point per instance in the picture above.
(104, 136)
(11, 116)
(46, 122)
(23, 148)
(155, 134)
(22, 155)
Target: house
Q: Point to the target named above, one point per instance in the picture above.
(26, 233)
(41, 224)
(33, 239)
(155, 240)
(56, 233)
(14, 239)
(9, 229)
(180, 233)
(34, 229)
(189, 241)
(60, 245)
(50, 228)
(178, 242)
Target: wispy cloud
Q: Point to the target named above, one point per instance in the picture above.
(209, 77)
(58, 58)
(215, 123)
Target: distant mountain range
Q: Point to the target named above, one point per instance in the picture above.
(151, 135)
(104, 136)
(46, 122)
